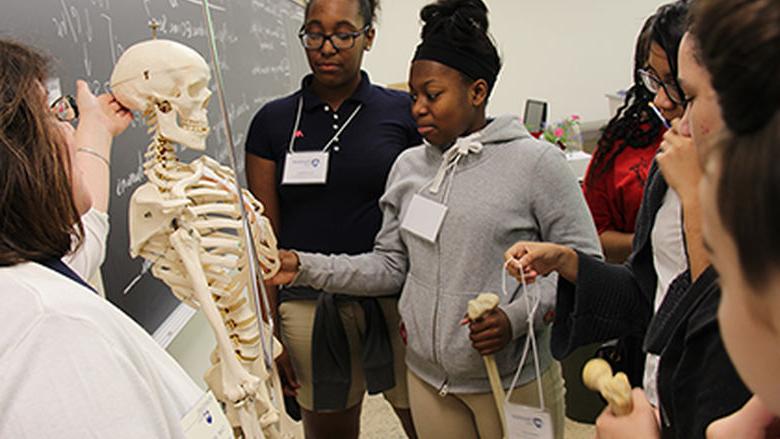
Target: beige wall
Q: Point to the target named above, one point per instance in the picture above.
(567, 52)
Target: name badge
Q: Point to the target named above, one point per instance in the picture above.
(524, 422)
(306, 168)
(206, 420)
(424, 218)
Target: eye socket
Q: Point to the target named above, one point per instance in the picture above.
(196, 87)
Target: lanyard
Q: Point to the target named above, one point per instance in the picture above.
(60, 267)
(332, 139)
(531, 304)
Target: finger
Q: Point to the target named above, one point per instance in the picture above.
(82, 93)
(480, 325)
(487, 347)
(676, 125)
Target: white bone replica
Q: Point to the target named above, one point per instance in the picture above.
(597, 375)
(483, 304)
(187, 221)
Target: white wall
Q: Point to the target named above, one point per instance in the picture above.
(567, 52)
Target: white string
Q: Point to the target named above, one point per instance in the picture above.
(530, 336)
(462, 146)
(332, 139)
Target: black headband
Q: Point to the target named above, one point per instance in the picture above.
(471, 64)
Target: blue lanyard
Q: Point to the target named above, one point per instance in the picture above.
(60, 267)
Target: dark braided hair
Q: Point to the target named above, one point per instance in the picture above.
(368, 9)
(465, 24)
(633, 126)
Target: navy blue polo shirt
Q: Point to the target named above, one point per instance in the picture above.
(343, 215)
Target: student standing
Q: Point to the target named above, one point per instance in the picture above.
(73, 365)
(497, 184)
(666, 293)
(318, 160)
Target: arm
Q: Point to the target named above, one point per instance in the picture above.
(86, 261)
(616, 245)
(564, 221)
(101, 119)
(261, 178)
(678, 161)
(379, 273)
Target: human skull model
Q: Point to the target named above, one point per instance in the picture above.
(169, 81)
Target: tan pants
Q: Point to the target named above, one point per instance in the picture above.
(297, 320)
(472, 416)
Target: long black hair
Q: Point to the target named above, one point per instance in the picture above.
(633, 126)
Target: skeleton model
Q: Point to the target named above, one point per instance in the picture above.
(187, 221)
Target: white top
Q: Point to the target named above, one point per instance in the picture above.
(86, 261)
(72, 365)
(670, 260)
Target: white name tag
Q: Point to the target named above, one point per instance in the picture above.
(524, 422)
(206, 420)
(306, 168)
(424, 218)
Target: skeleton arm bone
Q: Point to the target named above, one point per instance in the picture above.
(237, 383)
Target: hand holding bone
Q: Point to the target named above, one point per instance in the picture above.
(597, 375)
(288, 269)
(483, 305)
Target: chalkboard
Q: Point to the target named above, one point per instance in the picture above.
(261, 60)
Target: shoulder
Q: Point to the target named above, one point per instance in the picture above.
(410, 158)
(277, 107)
(390, 96)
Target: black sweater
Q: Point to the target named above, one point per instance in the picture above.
(697, 383)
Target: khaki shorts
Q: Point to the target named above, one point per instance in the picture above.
(474, 416)
(297, 319)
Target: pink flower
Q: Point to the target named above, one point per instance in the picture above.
(575, 117)
(299, 134)
(558, 132)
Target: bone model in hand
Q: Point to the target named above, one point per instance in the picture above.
(597, 376)
(483, 304)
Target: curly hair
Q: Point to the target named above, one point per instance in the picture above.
(633, 126)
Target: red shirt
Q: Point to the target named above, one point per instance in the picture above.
(614, 196)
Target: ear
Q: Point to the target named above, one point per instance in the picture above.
(478, 92)
(370, 35)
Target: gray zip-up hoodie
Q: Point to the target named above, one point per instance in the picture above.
(515, 188)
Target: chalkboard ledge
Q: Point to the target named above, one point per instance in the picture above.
(172, 325)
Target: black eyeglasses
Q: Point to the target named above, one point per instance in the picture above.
(65, 109)
(673, 91)
(339, 40)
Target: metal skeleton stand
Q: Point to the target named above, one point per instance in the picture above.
(265, 342)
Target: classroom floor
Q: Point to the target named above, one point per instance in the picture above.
(379, 422)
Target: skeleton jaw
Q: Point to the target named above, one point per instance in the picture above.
(187, 132)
